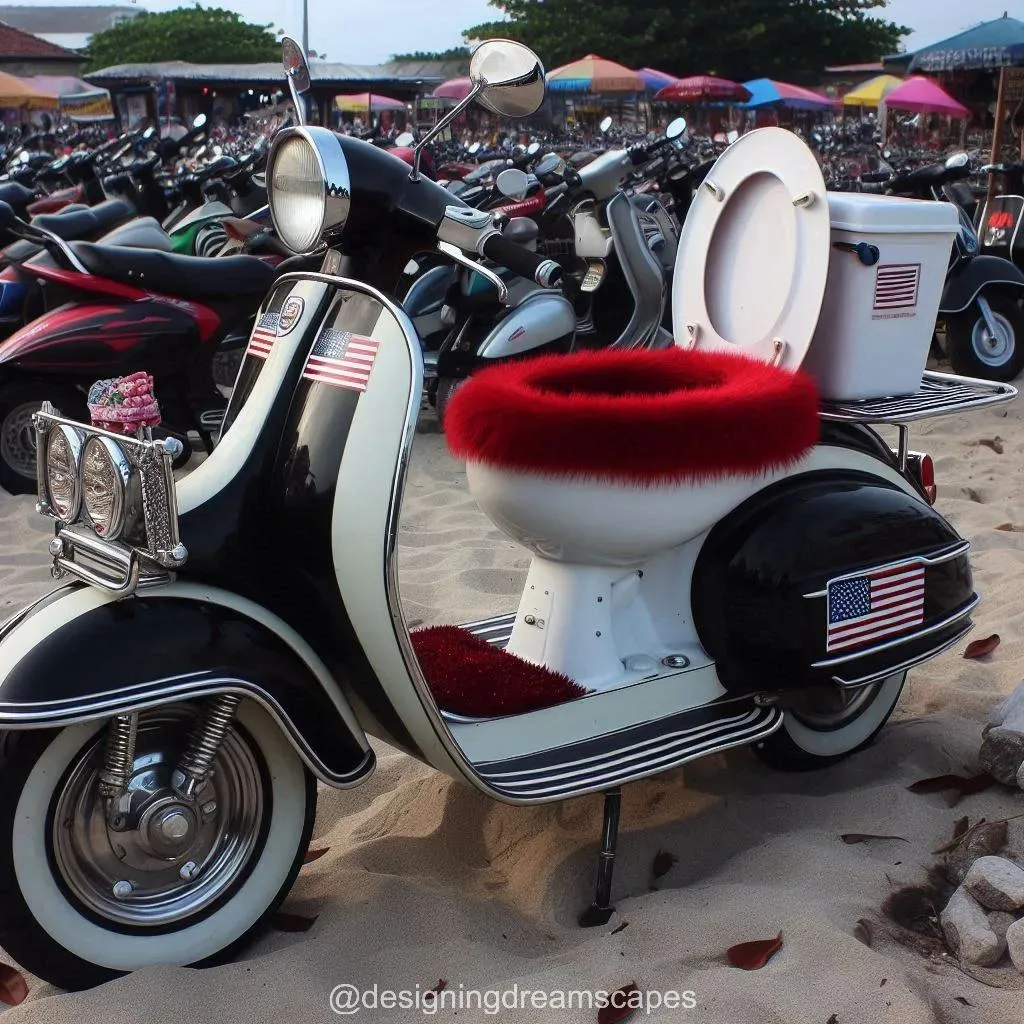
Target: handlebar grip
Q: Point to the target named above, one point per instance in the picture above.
(501, 250)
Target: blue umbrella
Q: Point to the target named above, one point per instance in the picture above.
(656, 80)
(767, 93)
(993, 44)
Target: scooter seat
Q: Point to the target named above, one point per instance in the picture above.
(190, 277)
(17, 196)
(634, 416)
(88, 223)
(141, 233)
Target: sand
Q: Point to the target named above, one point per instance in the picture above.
(425, 879)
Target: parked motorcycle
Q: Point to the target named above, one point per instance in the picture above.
(157, 804)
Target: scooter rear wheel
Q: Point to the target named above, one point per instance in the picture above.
(975, 352)
(181, 883)
(827, 725)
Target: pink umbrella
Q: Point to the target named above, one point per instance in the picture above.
(923, 96)
(453, 89)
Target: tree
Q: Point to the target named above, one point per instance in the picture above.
(203, 35)
(456, 53)
(738, 39)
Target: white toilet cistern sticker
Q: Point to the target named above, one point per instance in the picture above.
(896, 290)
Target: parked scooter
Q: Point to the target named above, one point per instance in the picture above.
(157, 805)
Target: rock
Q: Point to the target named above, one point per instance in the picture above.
(1011, 706)
(985, 841)
(968, 933)
(996, 883)
(999, 921)
(1015, 944)
(1002, 753)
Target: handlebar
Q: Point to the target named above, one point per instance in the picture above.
(547, 273)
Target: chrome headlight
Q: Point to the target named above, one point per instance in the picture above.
(308, 187)
(63, 457)
(111, 492)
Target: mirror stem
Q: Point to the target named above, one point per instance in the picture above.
(453, 114)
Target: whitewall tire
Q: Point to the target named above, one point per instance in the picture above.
(62, 920)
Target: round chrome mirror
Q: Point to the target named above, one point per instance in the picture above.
(605, 124)
(295, 67)
(510, 76)
(676, 128)
(405, 139)
(956, 161)
(199, 121)
(533, 149)
(548, 165)
(473, 149)
(513, 183)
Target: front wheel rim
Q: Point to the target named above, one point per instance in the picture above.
(151, 876)
(18, 439)
(993, 350)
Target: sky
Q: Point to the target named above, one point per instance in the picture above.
(369, 31)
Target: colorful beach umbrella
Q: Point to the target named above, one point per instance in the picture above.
(923, 96)
(360, 102)
(871, 92)
(595, 74)
(765, 92)
(704, 89)
(655, 79)
(453, 89)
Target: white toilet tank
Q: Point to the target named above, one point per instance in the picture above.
(878, 317)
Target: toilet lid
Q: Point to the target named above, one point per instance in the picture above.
(753, 253)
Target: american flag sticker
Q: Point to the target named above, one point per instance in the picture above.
(264, 334)
(865, 609)
(342, 359)
(896, 286)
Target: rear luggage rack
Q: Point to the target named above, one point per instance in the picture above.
(940, 394)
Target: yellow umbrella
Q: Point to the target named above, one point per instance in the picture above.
(17, 94)
(872, 92)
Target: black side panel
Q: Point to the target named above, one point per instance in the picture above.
(757, 565)
(166, 645)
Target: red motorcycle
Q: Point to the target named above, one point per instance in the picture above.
(112, 311)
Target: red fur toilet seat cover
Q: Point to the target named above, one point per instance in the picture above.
(637, 416)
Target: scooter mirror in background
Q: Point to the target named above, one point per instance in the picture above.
(405, 139)
(218, 150)
(956, 161)
(533, 149)
(509, 77)
(474, 148)
(676, 129)
(605, 124)
(513, 183)
(24, 158)
(295, 67)
(732, 136)
(548, 165)
(198, 122)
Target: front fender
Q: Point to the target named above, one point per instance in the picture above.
(80, 654)
(967, 280)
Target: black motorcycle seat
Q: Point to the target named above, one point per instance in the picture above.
(87, 223)
(17, 196)
(141, 233)
(190, 277)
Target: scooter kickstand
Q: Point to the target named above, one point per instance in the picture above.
(601, 910)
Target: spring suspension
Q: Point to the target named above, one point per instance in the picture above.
(119, 756)
(196, 763)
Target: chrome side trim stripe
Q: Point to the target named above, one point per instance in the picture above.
(875, 677)
(946, 556)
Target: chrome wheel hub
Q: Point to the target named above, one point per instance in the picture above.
(832, 707)
(161, 859)
(18, 439)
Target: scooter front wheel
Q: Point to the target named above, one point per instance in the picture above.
(827, 724)
(89, 894)
(975, 350)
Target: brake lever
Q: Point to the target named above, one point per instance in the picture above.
(456, 254)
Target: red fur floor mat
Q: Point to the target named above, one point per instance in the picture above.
(471, 677)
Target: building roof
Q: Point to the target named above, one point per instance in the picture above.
(428, 70)
(321, 72)
(87, 19)
(15, 43)
(854, 69)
